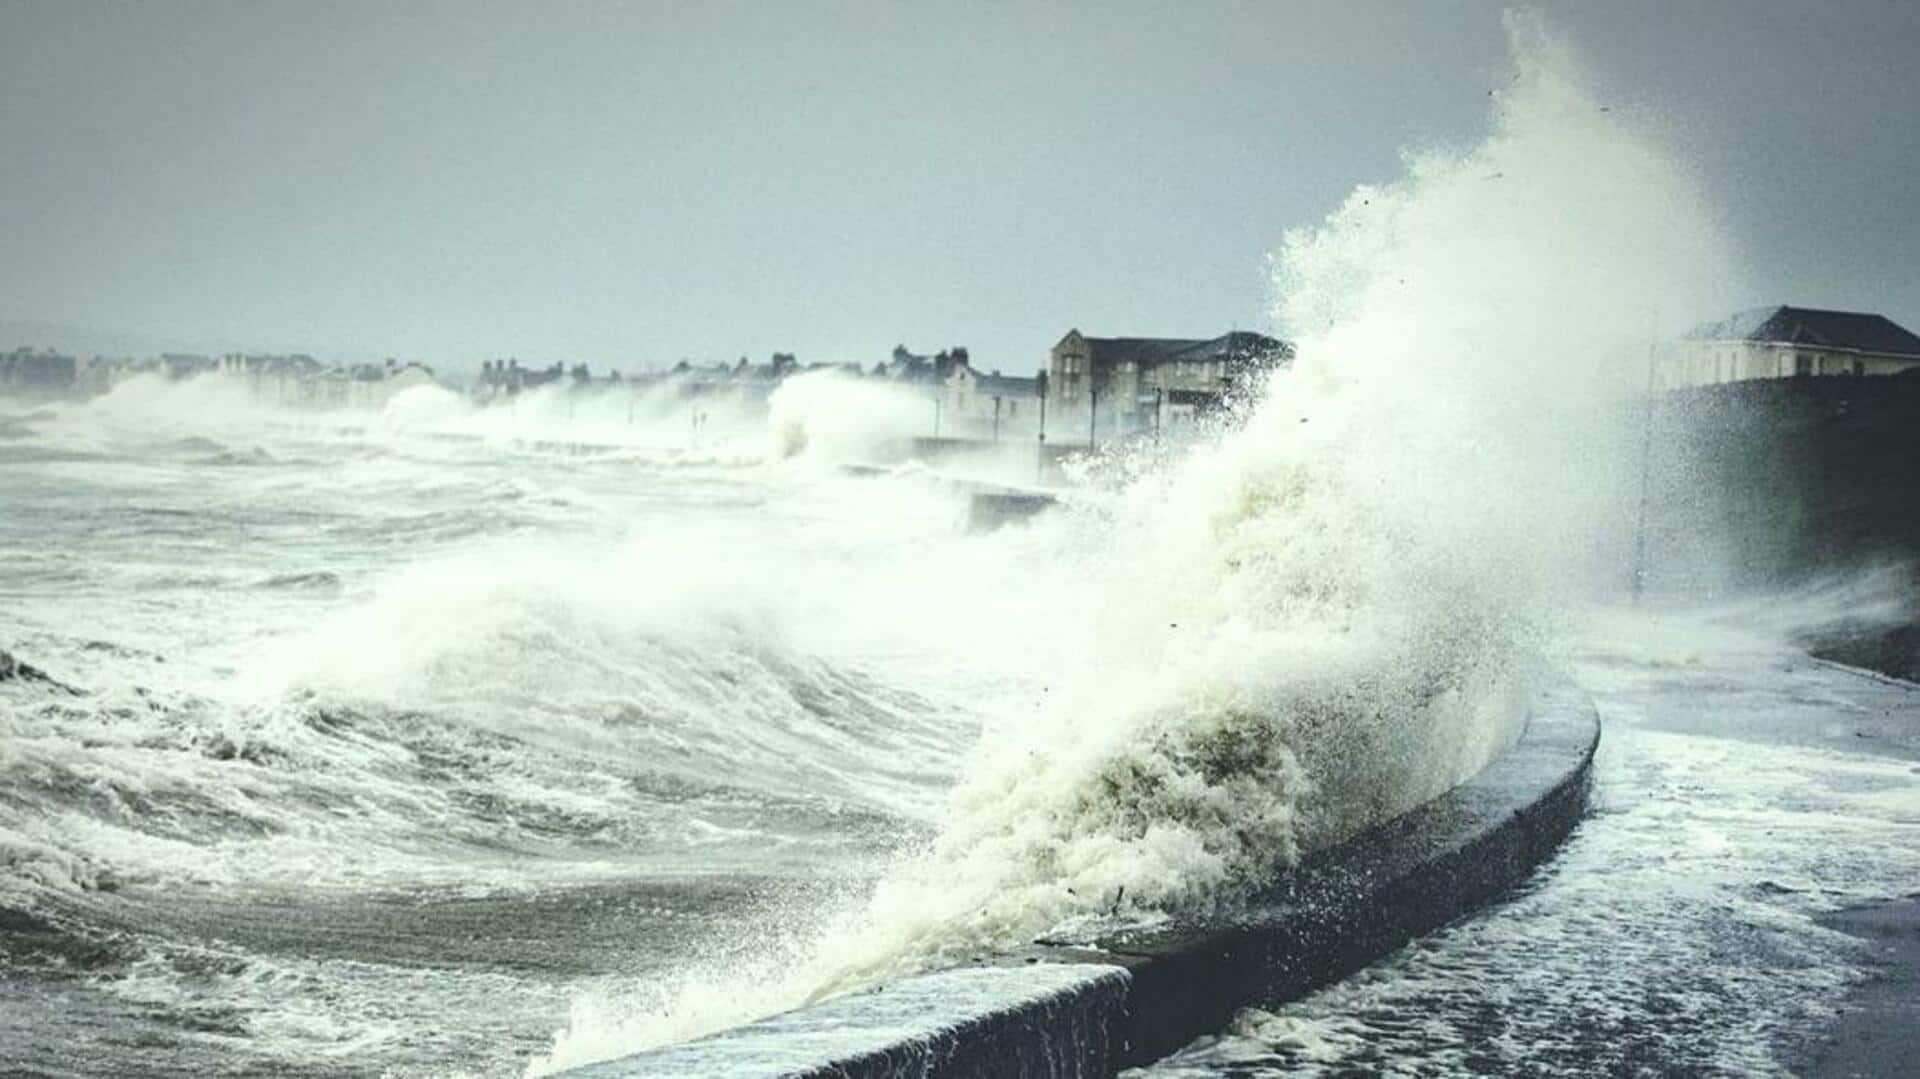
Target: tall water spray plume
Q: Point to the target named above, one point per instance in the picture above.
(1331, 615)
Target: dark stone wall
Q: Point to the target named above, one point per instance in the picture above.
(1769, 482)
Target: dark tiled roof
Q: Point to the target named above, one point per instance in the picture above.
(997, 385)
(1241, 346)
(1808, 326)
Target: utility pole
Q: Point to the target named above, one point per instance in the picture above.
(1646, 472)
(1040, 455)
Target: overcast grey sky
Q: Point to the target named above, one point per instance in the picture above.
(632, 183)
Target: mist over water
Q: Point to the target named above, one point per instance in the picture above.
(1331, 613)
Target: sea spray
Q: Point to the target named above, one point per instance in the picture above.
(675, 416)
(838, 416)
(1329, 616)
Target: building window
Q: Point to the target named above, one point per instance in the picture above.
(1803, 364)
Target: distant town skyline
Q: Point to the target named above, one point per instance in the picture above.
(627, 185)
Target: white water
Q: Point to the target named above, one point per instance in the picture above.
(345, 675)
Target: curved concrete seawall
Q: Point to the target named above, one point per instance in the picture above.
(1063, 1009)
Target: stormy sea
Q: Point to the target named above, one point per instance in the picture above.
(449, 739)
(337, 749)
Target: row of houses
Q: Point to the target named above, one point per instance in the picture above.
(301, 381)
(1098, 388)
(292, 379)
(45, 373)
(744, 384)
(1093, 388)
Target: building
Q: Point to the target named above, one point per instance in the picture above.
(177, 365)
(1787, 342)
(506, 378)
(371, 385)
(991, 405)
(300, 380)
(905, 366)
(1102, 387)
(281, 380)
(38, 374)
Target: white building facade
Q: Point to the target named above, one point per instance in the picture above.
(990, 405)
(1791, 342)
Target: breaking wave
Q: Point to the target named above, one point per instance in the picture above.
(438, 724)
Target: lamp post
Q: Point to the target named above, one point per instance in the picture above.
(1040, 390)
(1040, 382)
(1646, 481)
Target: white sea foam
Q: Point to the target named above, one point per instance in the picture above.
(509, 658)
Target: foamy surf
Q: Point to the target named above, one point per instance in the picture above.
(391, 697)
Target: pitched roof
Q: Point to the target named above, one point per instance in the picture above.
(1240, 346)
(999, 385)
(1855, 331)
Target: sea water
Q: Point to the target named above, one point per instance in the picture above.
(370, 741)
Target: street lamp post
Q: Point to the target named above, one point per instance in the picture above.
(1041, 384)
(1639, 582)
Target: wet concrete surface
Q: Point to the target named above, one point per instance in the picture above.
(1877, 1031)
